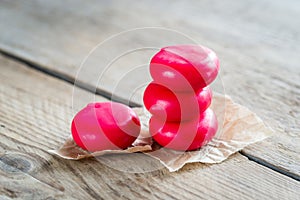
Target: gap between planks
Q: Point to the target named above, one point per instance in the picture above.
(115, 98)
(69, 79)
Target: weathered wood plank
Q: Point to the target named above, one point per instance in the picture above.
(36, 111)
(256, 42)
(16, 183)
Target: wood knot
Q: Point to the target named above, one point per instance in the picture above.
(16, 162)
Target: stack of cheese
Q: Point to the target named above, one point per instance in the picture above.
(179, 96)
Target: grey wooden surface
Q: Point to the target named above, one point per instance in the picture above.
(36, 111)
(256, 41)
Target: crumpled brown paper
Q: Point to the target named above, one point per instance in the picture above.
(238, 127)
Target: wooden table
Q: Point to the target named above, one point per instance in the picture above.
(43, 44)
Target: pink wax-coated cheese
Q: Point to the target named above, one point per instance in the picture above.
(105, 126)
(162, 103)
(184, 67)
(184, 136)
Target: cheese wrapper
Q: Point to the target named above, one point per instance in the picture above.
(238, 127)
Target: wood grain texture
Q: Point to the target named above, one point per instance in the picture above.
(257, 42)
(36, 111)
